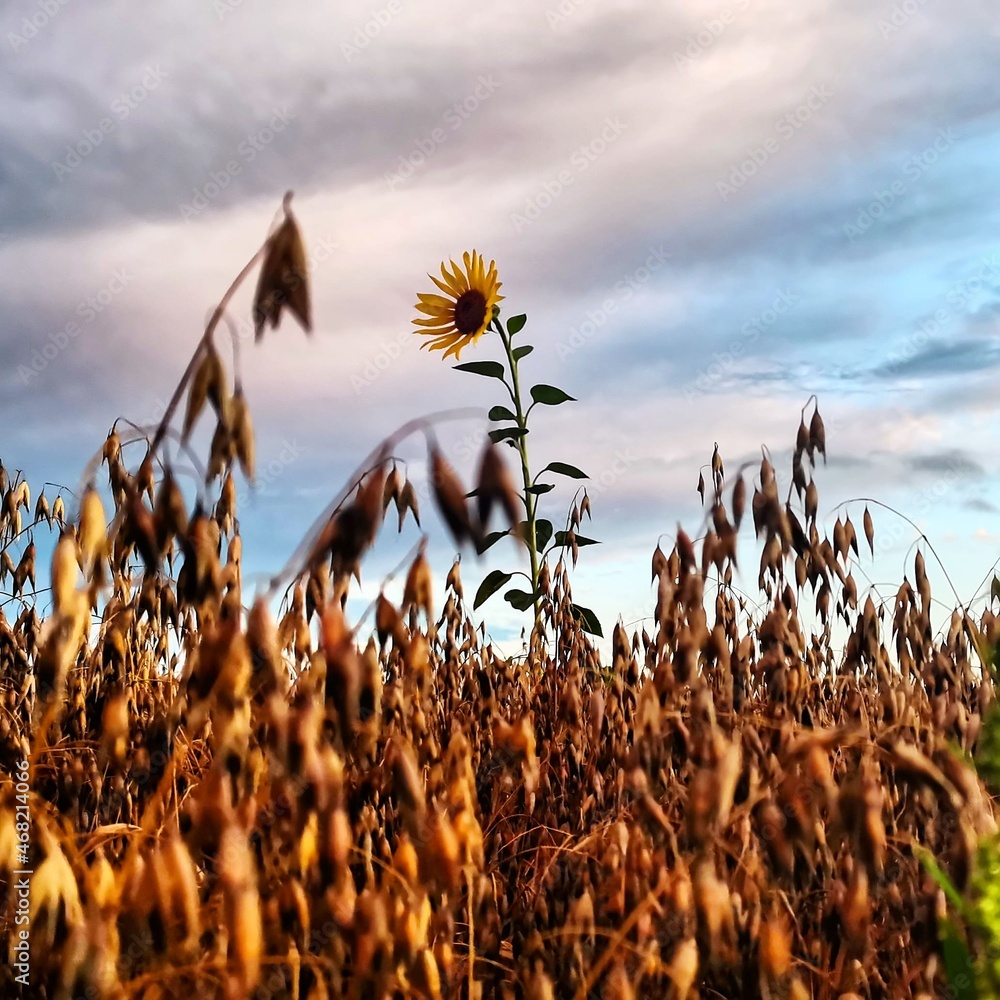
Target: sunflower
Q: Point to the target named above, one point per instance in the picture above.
(460, 316)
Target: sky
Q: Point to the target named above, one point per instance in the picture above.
(709, 212)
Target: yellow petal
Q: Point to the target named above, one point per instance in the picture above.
(435, 300)
(448, 309)
(442, 322)
(456, 350)
(455, 285)
(461, 280)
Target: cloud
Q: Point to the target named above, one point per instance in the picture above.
(601, 139)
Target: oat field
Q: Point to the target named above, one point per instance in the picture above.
(213, 792)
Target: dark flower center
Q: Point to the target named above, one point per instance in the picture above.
(470, 311)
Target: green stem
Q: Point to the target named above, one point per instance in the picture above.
(530, 500)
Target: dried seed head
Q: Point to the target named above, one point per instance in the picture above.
(775, 946)
(683, 968)
(115, 730)
(419, 587)
(454, 580)
(91, 536)
(817, 434)
(408, 502)
(495, 486)
(242, 433)
(739, 501)
(451, 501)
(284, 278)
(208, 383)
(64, 572)
(393, 485)
(659, 563)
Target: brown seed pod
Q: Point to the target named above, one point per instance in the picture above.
(495, 486)
(407, 501)
(419, 586)
(284, 278)
(207, 384)
(242, 433)
(91, 535)
(451, 501)
(817, 434)
(739, 501)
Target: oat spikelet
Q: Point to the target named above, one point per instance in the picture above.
(284, 278)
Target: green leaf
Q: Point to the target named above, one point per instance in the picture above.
(507, 434)
(516, 324)
(519, 599)
(501, 413)
(957, 962)
(522, 352)
(543, 532)
(929, 862)
(493, 582)
(549, 395)
(491, 369)
(565, 470)
(587, 619)
(988, 747)
(490, 540)
(540, 488)
(562, 538)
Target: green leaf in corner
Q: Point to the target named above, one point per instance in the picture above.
(491, 369)
(565, 470)
(587, 619)
(929, 862)
(957, 962)
(493, 582)
(550, 395)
